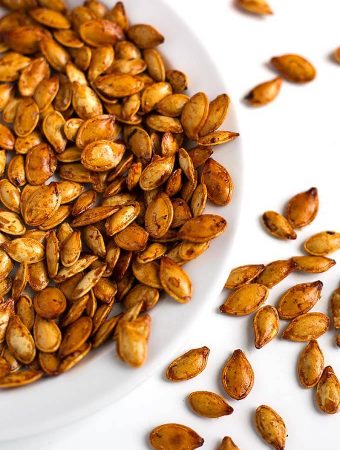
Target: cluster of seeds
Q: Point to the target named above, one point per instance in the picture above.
(87, 99)
(250, 286)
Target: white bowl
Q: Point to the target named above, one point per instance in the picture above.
(101, 378)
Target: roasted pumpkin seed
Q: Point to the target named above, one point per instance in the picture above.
(310, 364)
(209, 404)
(271, 427)
(245, 300)
(306, 327)
(188, 365)
(266, 325)
(237, 376)
(328, 392)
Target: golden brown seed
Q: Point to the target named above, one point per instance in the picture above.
(313, 264)
(266, 325)
(188, 365)
(93, 215)
(40, 164)
(123, 217)
(275, 272)
(75, 336)
(141, 293)
(75, 357)
(218, 110)
(294, 68)
(145, 36)
(11, 223)
(118, 85)
(153, 94)
(6, 312)
(19, 341)
(70, 249)
(50, 18)
(25, 311)
(132, 238)
(102, 155)
(173, 436)
(323, 243)
(132, 341)
(47, 335)
(177, 79)
(100, 32)
(45, 92)
(260, 7)
(306, 327)
(202, 228)
(245, 300)
(310, 364)
(38, 277)
(299, 299)
(25, 250)
(271, 427)
(105, 331)
(209, 404)
(328, 392)
(55, 54)
(84, 202)
(49, 303)
(147, 273)
(218, 182)
(175, 280)
(20, 280)
(156, 173)
(303, 208)
(42, 204)
(243, 275)
(237, 376)
(278, 225)
(228, 444)
(159, 216)
(264, 93)
(49, 362)
(217, 138)
(20, 378)
(194, 115)
(335, 306)
(10, 195)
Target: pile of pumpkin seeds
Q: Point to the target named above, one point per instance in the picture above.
(249, 287)
(106, 169)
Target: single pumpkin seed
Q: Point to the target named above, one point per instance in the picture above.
(188, 365)
(264, 93)
(243, 275)
(328, 392)
(237, 376)
(310, 364)
(245, 300)
(278, 226)
(294, 68)
(323, 243)
(172, 436)
(299, 299)
(266, 325)
(303, 208)
(209, 404)
(306, 327)
(271, 427)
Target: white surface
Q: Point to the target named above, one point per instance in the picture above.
(289, 146)
(102, 378)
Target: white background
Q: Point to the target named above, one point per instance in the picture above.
(289, 146)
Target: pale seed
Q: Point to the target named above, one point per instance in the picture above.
(323, 243)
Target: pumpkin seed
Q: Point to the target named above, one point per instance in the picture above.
(45, 92)
(243, 275)
(42, 204)
(19, 341)
(245, 300)
(266, 325)
(145, 36)
(218, 182)
(102, 155)
(202, 228)
(217, 138)
(228, 444)
(88, 282)
(40, 164)
(264, 93)
(118, 85)
(313, 264)
(75, 336)
(25, 311)
(188, 365)
(20, 280)
(209, 404)
(49, 362)
(294, 68)
(275, 272)
(323, 243)
(194, 115)
(50, 18)
(38, 276)
(132, 343)
(237, 376)
(20, 378)
(85, 101)
(306, 327)
(310, 364)
(278, 226)
(299, 299)
(172, 435)
(303, 208)
(25, 250)
(93, 215)
(50, 303)
(335, 306)
(79, 266)
(175, 280)
(328, 392)
(6, 312)
(218, 110)
(271, 426)
(47, 335)
(55, 54)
